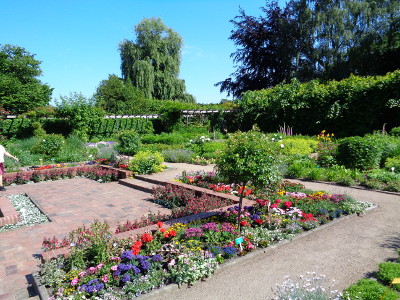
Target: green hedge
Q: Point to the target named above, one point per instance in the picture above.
(353, 106)
(22, 128)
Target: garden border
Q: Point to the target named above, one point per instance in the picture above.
(43, 294)
(10, 215)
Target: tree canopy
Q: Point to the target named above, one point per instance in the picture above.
(310, 39)
(20, 89)
(152, 62)
(116, 96)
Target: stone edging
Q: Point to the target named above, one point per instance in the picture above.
(8, 214)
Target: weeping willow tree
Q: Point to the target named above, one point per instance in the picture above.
(152, 62)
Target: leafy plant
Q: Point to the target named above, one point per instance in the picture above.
(128, 142)
(358, 153)
(367, 289)
(250, 157)
(177, 155)
(49, 145)
(146, 162)
(387, 272)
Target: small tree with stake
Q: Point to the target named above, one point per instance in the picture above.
(249, 158)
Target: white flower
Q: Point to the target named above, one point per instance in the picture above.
(282, 145)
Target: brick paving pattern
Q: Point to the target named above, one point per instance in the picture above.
(69, 204)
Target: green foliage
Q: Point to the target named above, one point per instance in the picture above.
(250, 157)
(49, 145)
(20, 90)
(153, 61)
(164, 138)
(367, 289)
(358, 153)
(389, 271)
(74, 150)
(82, 114)
(115, 96)
(395, 131)
(177, 155)
(393, 162)
(146, 162)
(353, 106)
(299, 146)
(128, 142)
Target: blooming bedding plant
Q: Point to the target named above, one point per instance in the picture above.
(107, 267)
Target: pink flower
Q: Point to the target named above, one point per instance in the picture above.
(81, 274)
(99, 266)
(114, 268)
(74, 281)
(105, 278)
(172, 262)
(92, 270)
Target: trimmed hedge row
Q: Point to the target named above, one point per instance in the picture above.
(22, 128)
(353, 106)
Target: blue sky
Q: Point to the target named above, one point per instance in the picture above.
(77, 41)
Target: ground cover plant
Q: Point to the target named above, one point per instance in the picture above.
(30, 214)
(104, 266)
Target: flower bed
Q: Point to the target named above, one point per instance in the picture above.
(100, 265)
(95, 172)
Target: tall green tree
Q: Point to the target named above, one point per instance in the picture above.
(116, 96)
(314, 39)
(20, 88)
(152, 62)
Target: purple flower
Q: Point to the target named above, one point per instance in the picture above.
(157, 257)
(212, 226)
(189, 232)
(126, 278)
(124, 267)
(127, 255)
(145, 265)
(136, 270)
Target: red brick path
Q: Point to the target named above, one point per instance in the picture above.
(70, 204)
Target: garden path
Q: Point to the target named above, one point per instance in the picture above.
(345, 251)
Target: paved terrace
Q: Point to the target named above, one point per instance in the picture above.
(346, 251)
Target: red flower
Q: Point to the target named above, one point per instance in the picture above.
(243, 223)
(136, 247)
(170, 233)
(287, 204)
(162, 230)
(160, 224)
(258, 221)
(275, 205)
(146, 238)
(278, 201)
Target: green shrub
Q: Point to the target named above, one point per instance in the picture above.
(128, 142)
(387, 272)
(389, 145)
(374, 184)
(73, 151)
(177, 155)
(300, 146)
(315, 174)
(358, 153)
(49, 145)
(392, 186)
(160, 147)
(367, 289)
(299, 168)
(382, 175)
(393, 162)
(146, 162)
(164, 138)
(395, 131)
